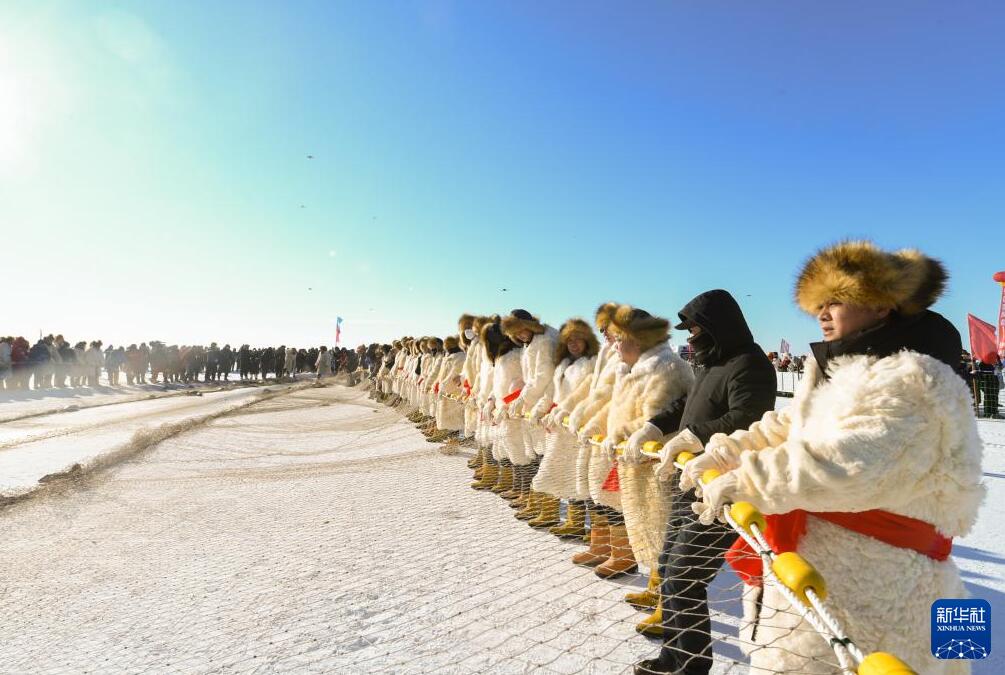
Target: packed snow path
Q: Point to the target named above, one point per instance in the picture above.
(314, 531)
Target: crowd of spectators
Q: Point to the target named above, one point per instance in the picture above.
(54, 363)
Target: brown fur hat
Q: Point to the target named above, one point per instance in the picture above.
(481, 321)
(639, 325)
(465, 321)
(495, 342)
(604, 314)
(860, 273)
(433, 344)
(451, 342)
(518, 320)
(576, 328)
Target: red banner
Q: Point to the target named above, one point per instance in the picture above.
(983, 343)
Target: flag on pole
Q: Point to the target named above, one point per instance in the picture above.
(338, 329)
(786, 347)
(1001, 325)
(983, 345)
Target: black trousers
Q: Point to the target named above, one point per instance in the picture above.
(692, 555)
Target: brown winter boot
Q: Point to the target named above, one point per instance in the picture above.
(522, 487)
(651, 596)
(481, 464)
(600, 545)
(531, 507)
(475, 461)
(505, 481)
(439, 436)
(514, 492)
(652, 625)
(490, 474)
(575, 521)
(548, 515)
(622, 560)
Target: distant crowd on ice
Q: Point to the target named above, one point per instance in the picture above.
(53, 362)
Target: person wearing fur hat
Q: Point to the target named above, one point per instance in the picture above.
(448, 413)
(427, 379)
(577, 353)
(482, 394)
(734, 386)
(873, 469)
(398, 369)
(473, 355)
(537, 342)
(467, 337)
(586, 419)
(649, 378)
(507, 434)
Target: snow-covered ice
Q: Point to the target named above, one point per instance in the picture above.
(317, 531)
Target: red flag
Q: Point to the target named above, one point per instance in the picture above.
(1001, 326)
(983, 344)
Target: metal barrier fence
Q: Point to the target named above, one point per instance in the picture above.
(984, 387)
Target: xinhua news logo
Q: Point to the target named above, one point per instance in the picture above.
(961, 629)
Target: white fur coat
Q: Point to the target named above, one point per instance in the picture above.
(557, 475)
(507, 377)
(897, 434)
(641, 392)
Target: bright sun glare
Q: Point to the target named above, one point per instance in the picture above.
(22, 101)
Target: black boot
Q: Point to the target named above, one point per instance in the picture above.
(653, 667)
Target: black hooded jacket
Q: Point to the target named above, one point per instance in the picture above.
(737, 382)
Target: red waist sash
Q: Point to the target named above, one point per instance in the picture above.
(467, 388)
(512, 396)
(786, 529)
(613, 482)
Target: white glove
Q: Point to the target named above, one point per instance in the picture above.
(536, 414)
(499, 416)
(684, 440)
(609, 446)
(586, 433)
(556, 416)
(633, 449)
(548, 421)
(487, 409)
(720, 457)
(575, 420)
(715, 495)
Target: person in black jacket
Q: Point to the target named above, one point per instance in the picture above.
(734, 386)
(39, 359)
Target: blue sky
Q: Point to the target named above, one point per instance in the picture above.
(154, 182)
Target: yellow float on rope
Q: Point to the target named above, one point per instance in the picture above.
(798, 575)
(565, 420)
(598, 438)
(710, 475)
(881, 663)
(526, 415)
(652, 446)
(684, 457)
(746, 514)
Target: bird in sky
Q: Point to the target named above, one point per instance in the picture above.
(310, 156)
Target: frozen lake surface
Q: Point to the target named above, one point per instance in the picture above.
(310, 529)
